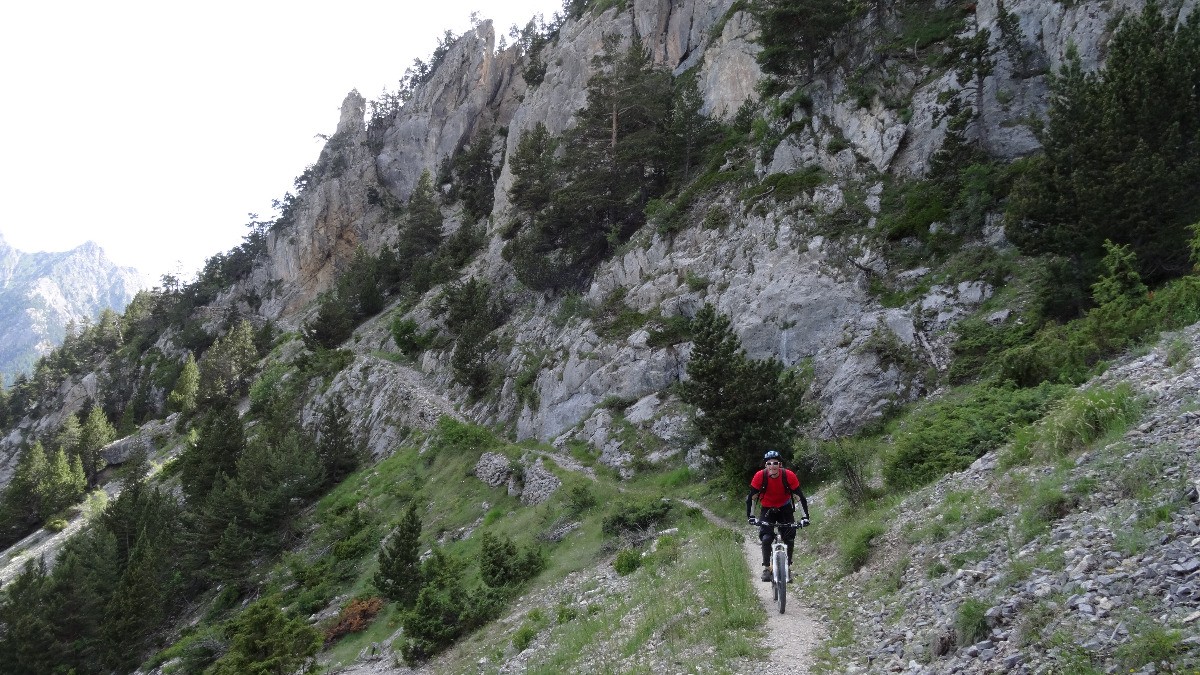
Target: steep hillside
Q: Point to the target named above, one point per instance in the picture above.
(426, 417)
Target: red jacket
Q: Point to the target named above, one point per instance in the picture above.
(776, 495)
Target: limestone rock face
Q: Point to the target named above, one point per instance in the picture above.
(384, 400)
(791, 293)
(441, 117)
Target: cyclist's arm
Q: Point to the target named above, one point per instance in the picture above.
(803, 501)
(750, 501)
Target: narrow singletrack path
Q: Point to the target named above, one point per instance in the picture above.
(792, 637)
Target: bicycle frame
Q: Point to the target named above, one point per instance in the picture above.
(779, 563)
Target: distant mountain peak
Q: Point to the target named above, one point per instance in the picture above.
(41, 293)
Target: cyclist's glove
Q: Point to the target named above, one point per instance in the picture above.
(804, 521)
(752, 520)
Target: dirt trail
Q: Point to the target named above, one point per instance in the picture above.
(791, 637)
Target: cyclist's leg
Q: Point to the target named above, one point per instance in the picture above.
(766, 535)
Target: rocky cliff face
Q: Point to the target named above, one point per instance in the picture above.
(792, 293)
(41, 293)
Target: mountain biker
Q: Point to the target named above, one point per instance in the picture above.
(774, 487)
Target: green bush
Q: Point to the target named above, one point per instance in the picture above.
(640, 514)
(501, 565)
(970, 622)
(627, 562)
(849, 461)
(854, 544)
(580, 499)
(408, 336)
(1077, 422)
(949, 434)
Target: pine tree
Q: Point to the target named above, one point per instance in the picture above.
(498, 561)
(263, 640)
(22, 504)
(340, 455)
(219, 443)
(1121, 154)
(227, 367)
(61, 488)
(746, 406)
(399, 576)
(794, 33)
(437, 616)
(619, 160)
(69, 434)
(184, 396)
(230, 560)
(358, 287)
(27, 646)
(332, 325)
(421, 231)
(95, 433)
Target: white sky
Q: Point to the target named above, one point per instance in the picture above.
(153, 128)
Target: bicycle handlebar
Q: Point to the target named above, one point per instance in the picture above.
(792, 526)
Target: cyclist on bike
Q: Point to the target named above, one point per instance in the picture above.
(774, 487)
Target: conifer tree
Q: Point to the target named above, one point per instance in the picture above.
(332, 325)
(421, 231)
(498, 561)
(23, 498)
(747, 406)
(69, 435)
(227, 367)
(264, 640)
(95, 433)
(230, 560)
(184, 396)
(794, 33)
(359, 286)
(26, 643)
(219, 443)
(1121, 156)
(439, 613)
(399, 576)
(340, 455)
(62, 486)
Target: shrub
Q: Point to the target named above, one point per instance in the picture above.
(627, 562)
(354, 618)
(580, 499)
(1045, 503)
(949, 434)
(409, 338)
(501, 565)
(855, 542)
(1078, 421)
(970, 623)
(535, 620)
(628, 516)
(1150, 643)
(848, 460)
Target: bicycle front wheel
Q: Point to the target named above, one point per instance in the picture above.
(781, 575)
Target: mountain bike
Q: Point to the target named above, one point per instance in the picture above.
(779, 562)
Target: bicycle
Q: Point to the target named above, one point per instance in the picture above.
(779, 562)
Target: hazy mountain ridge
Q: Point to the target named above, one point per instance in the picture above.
(41, 293)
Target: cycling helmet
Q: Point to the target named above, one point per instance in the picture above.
(771, 454)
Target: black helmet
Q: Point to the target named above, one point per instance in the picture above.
(771, 454)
